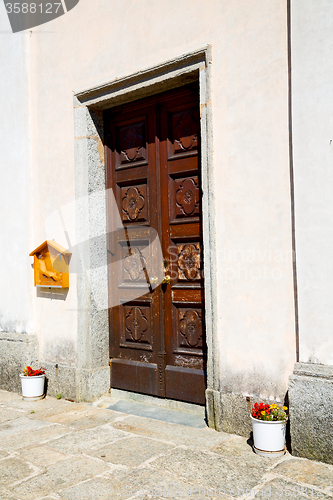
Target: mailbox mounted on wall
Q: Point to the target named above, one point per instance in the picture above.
(51, 265)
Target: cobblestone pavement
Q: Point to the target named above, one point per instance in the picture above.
(55, 449)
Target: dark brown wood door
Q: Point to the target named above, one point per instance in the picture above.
(157, 338)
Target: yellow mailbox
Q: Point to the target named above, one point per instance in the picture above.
(51, 265)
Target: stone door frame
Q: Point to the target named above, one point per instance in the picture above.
(93, 375)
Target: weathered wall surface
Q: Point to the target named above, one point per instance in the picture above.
(15, 214)
(311, 385)
(18, 344)
(100, 41)
(17, 350)
(250, 106)
(311, 413)
(312, 105)
(250, 126)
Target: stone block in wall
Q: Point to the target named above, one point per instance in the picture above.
(61, 380)
(17, 350)
(236, 410)
(236, 414)
(77, 384)
(93, 383)
(311, 411)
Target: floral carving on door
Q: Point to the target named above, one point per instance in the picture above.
(189, 261)
(185, 132)
(187, 197)
(131, 143)
(134, 264)
(190, 326)
(136, 324)
(132, 203)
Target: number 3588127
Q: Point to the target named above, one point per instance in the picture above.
(33, 8)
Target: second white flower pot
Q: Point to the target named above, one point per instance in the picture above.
(33, 387)
(269, 437)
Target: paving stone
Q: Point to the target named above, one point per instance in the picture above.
(54, 409)
(33, 437)
(210, 470)
(59, 476)
(144, 482)
(8, 396)
(92, 421)
(8, 414)
(6, 495)
(3, 454)
(131, 451)
(306, 471)
(68, 417)
(42, 456)
(101, 488)
(178, 434)
(49, 497)
(13, 469)
(238, 449)
(20, 425)
(148, 483)
(84, 419)
(83, 441)
(42, 404)
(278, 489)
(107, 413)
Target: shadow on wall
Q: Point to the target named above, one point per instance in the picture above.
(288, 436)
(52, 293)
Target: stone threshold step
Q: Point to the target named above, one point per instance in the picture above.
(175, 412)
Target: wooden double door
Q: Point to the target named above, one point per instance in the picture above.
(157, 338)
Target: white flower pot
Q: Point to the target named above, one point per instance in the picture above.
(33, 387)
(269, 437)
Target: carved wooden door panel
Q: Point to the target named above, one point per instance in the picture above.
(182, 244)
(157, 341)
(135, 336)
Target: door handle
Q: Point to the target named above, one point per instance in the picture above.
(166, 280)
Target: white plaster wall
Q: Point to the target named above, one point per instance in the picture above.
(16, 300)
(257, 333)
(99, 41)
(312, 105)
(53, 173)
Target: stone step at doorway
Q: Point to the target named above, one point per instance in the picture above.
(165, 410)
